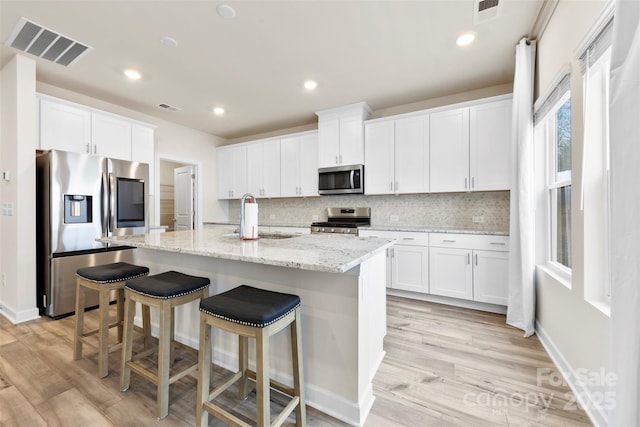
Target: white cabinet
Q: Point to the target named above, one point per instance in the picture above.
(341, 135)
(490, 149)
(71, 127)
(64, 127)
(451, 272)
(263, 168)
(232, 171)
(299, 165)
(397, 155)
(470, 148)
(407, 259)
(472, 267)
(449, 145)
(490, 277)
(143, 150)
(110, 136)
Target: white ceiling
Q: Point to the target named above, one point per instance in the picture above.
(387, 53)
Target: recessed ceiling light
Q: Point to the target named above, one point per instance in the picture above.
(466, 39)
(218, 111)
(310, 84)
(226, 11)
(132, 74)
(169, 41)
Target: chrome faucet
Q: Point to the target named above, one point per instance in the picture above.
(242, 202)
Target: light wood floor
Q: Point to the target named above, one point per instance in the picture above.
(444, 366)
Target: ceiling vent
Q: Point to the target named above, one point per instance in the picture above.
(169, 107)
(37, 40)
(485, 10)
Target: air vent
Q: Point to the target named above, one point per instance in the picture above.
(37, 40)
(169, 107)
(485, 10)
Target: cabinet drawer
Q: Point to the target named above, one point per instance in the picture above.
(402, 237)
(469, 241)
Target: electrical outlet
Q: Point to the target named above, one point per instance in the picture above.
(314, 217)
(272, 216)
(394, 218)
(4, 280)
(478, 219)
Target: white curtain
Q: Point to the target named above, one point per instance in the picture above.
(521, 303)
(624, 110)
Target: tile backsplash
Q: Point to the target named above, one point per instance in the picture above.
(443, 210)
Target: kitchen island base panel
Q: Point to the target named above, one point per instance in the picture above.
(343, 324)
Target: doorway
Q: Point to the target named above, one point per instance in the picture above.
(177, 195)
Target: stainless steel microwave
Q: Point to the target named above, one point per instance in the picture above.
(341, 180)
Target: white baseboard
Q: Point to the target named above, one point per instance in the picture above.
(491, 308)
(583, 394)
(19, 316)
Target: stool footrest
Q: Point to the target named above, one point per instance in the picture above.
(153, 376)
(274, 384)
(222, 387)
(220, 413)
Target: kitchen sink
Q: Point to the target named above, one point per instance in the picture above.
(265, 235)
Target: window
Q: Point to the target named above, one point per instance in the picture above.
(595, 60)
(553, 134)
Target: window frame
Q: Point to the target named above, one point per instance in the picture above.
(547, 124)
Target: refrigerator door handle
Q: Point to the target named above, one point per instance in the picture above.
(107, 227)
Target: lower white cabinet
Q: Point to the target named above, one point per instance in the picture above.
(490, 277)
(471, 267)
(407, 260)
(451, 273)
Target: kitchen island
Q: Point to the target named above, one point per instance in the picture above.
(340, 280)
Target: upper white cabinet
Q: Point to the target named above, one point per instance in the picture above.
(263, 168)
(71, 127)
(110, 136)
(470, 148)
(232, 171)
(299, 165)
(64, 127)
(397, 155)
(490, 148)
(449, 145)
(143, 150)
(341, 135)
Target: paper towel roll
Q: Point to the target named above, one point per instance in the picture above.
(250, 231)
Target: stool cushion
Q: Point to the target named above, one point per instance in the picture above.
(170, 284)
(250, 306)
(109, 273)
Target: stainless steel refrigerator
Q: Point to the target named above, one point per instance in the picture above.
(81, 198)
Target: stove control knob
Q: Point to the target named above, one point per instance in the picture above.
(333, 230)
(322, 229)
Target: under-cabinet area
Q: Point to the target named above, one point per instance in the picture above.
(469, 268)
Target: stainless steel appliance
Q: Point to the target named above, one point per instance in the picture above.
(81, 198)
(343, 221)
(341, 180)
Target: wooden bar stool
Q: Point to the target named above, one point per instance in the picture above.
(250, 313)
(102, 279)
(164, 291)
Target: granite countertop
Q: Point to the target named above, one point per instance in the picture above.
(426, 229)
(317, 252)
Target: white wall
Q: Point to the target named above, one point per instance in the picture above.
(17, 232)
(575, 332)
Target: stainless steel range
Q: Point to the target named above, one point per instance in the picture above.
(343, 221)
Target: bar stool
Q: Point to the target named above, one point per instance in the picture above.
(103, 279)
(164, 291)
(259, 314)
